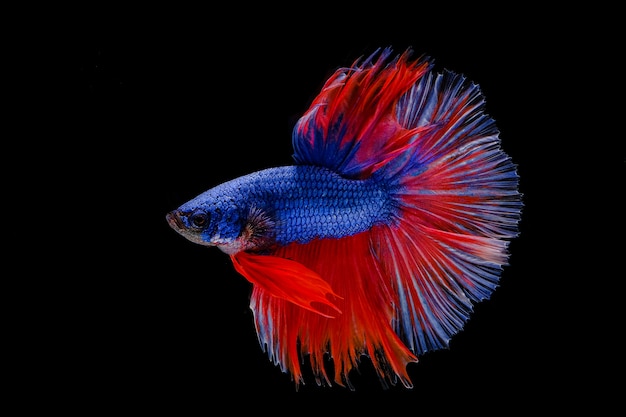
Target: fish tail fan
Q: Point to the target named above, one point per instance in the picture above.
(364, 328)
(458, 206)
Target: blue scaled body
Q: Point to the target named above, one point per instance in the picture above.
(300, 202)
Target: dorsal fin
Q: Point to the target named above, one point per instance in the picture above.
(351, 127)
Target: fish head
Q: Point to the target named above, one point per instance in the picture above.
(210, 220)
(218, 219)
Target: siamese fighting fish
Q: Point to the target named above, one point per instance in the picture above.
(393, 221)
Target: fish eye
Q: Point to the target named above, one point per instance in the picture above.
(199, 219)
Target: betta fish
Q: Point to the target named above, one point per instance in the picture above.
(392, 223)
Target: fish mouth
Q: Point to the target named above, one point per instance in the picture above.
(174, 220)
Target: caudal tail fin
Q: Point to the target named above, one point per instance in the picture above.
(459, 205)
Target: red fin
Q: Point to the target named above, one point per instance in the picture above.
(286, 279)
(351, 127)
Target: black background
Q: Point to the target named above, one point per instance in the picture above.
(162, 105)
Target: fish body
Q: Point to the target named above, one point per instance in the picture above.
(393, 222)
(299, 203)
